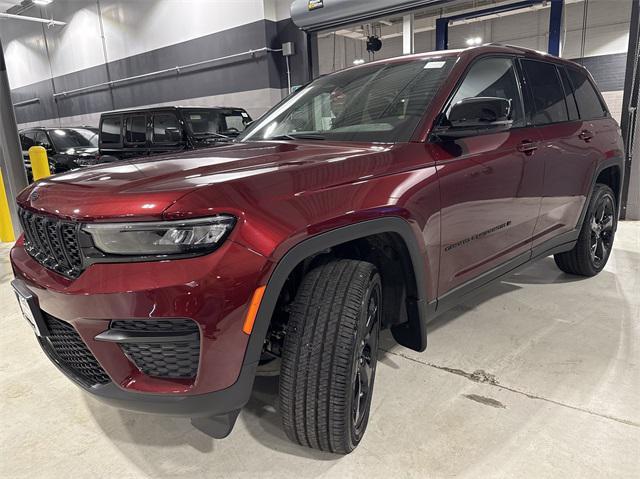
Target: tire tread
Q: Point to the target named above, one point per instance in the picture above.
(317, 354)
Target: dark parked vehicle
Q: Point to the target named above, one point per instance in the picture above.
(377, 197)
(151, 131)
(67, 148)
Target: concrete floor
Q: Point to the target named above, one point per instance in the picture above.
(537, 377)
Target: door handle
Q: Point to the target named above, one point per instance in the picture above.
(585, 135)
(527, 147)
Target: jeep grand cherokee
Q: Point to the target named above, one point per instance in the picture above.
(376, 197)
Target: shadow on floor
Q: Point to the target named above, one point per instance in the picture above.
(259, 418)
(543, 271)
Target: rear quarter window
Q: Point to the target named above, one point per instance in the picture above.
(589, 104)
(110, 130)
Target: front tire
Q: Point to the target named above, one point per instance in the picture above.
(330, 355)
(591, 252)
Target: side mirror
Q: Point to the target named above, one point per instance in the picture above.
(475, 116)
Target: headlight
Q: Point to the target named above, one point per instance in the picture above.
(162, 237)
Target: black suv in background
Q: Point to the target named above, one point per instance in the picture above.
(67, 148)
(148, 131)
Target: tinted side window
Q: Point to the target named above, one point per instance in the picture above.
(547, 92)
(494, 77)
(136, 129)
(568, 95)
(110, 130)
(166, 128)
(589, 105)
(26, 140)
(42, 139)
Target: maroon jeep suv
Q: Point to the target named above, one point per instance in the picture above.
(376, 197)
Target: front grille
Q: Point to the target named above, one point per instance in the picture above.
(52, 243)
(69, 351)
(168, 359)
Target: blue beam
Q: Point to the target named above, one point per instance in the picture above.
(442, 33)
(555, 26)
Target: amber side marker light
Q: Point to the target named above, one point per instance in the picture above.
(253, 310)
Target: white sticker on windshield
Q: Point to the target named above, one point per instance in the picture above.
(434, 64)
(245, 115)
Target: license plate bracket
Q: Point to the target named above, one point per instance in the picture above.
(30, 307)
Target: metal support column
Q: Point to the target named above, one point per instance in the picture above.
(442, 33)
(555, 27)
(407, 35)
(13, 173)
(629, 121)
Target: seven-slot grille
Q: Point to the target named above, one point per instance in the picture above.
(52, 242)
(69, 351)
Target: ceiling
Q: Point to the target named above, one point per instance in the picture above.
(14, 5)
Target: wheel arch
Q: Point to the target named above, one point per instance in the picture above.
(411, 334)
(611, 173)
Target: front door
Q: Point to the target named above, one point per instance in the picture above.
(490, 184)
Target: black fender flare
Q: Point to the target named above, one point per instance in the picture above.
(618, 162)
(412, 335)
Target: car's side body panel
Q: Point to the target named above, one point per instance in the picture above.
(490, 200)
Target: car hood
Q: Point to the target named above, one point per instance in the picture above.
(145, 188)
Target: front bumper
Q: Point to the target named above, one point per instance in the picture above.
(212, 290)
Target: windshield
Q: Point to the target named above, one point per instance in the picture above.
(66, 138)
(220, 122)
(377, 103)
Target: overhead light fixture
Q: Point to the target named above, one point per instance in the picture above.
(358, 61)
(42, 2)
(474, 41)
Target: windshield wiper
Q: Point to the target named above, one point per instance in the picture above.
(297, 136)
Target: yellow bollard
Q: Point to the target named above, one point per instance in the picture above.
(6, 227)
(39, 162)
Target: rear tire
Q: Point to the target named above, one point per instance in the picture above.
(591, 252)
(330, 355)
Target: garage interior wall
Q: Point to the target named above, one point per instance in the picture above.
(141, 37)
(603, 53)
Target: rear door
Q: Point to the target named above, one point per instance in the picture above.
(565, 147)
(490, 183)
